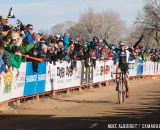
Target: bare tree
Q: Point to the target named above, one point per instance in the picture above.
(61, 28)
(44, 31)
(149, 20)
(106, 25)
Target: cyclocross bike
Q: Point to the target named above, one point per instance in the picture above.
(121, 89)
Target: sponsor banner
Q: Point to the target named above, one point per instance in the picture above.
(108, 69)
(69, 75)
(83, 74)
(155, 68)
(132, 68)
(77, 74)
(50, 77)
(145, 68)
(24, 81)
(65, 77)
(18, 81)
(35, 81)
(98, 72)
(140, 67)
(149, 68)
(60, 80)
(102, 71)
(90, 74)
(113, 70)
(6, 86)
(159, 68)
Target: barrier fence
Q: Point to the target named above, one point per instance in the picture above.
(50, 77)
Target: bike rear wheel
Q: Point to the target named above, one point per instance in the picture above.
(120, 92)
(123, 96)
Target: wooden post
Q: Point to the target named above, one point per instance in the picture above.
(4, 107)
(68, 91)
(90, 87)
(18, 103)
(54, 93)
(99, 85)
(80, 89)
(37, 98)
(107, 83)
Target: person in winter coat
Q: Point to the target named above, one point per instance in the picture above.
(29, 34)
(66, 41)
(16, 57)
(2, 63)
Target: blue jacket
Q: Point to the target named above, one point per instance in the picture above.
(66, 42)
(29, 38)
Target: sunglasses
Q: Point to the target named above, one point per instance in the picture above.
(30, 28)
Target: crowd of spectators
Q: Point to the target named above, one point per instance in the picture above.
(16, 42)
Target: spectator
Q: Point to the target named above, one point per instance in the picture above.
(94, 42)
(6, 58)
(16, 58)
(2, 64)
(29, 34)
(66, 41)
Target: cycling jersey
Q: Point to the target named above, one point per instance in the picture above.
(123, 56)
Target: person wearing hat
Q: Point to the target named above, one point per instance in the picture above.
(4, 28)
(16, 56)
(16, 41)
(122, 62)
(4, 21)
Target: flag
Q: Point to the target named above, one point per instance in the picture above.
(11, 13)
(20, 25)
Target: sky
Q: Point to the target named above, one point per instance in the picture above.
(43, 14)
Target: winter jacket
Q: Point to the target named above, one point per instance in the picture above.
(23, 49)
(66, 42)
(15, 60)
(6, 59)
(29, 37)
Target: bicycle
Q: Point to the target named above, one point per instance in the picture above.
(121, 89)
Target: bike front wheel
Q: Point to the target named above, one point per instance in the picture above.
(120, 95)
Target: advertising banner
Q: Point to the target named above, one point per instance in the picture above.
(140, 67)
(50, 77)
(98, 72)
(83, 74)
(35, 81)
(107, 69)
(60, 80)
(132, 68)
(90, 74)
(77, 74)
(18, 81)
(6, 86)
(113, 70)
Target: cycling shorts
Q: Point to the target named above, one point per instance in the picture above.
(124, 67)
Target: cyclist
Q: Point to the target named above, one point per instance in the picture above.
(122, 64)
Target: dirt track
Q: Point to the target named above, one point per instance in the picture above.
(85, 110)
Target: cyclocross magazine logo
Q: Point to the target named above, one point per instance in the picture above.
(133, 126)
